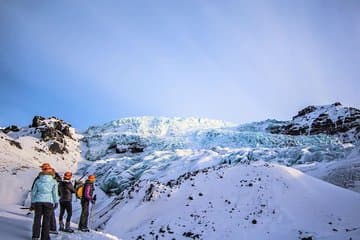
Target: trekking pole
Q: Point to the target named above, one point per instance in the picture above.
(92, 214)
(83, 176)
(29, 210)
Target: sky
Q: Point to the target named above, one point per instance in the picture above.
(90, 62)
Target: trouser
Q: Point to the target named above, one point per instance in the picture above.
(84, 214)
(65, 206)
(52, 221)
(42, 210)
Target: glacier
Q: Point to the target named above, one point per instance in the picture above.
(169, 147)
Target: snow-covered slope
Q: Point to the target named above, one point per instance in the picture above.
(21, 154)
(22, 151)
(247, 201)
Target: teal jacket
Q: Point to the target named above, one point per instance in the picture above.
(45, 190)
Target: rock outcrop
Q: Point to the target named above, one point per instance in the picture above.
(133, 147)
(12, 128)
(54, 131)
(332, 119)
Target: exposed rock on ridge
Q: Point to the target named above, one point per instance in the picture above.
(332, 119)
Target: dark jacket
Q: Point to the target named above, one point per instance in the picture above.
(66, 189)
(88, 191)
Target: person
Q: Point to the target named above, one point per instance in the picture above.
(66, 189)
(58, 179)
(44, 197)
(42, 167)
(53, 227)
(85, 202)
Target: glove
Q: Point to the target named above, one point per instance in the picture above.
(93, 201)
(56, 205)
(94, 198)
(32, 207)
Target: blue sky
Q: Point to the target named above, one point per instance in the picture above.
(89, 62)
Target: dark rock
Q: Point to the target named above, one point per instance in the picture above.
(254, 221)
(307, 238)
(305, 111)
(56, 147)
(12, 128)
(37, 121)
(48, 133)
(191, 235)
(149, 193)
(66, 131)
(135, 148)
(323, 123)
(58, 125)
(14, 143)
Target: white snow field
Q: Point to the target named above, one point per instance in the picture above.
(255, 201)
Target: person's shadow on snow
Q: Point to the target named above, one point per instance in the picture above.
(15, 229)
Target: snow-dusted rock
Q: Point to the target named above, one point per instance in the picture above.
(332, 119)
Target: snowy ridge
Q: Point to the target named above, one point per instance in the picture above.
(333, 119)
(157, 126)
(334, 111)
(250, 201)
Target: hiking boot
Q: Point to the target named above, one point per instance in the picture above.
(61, 228)
(53, 232)
(68, 228)
(84, 229)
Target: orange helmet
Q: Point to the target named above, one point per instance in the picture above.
(92, 178)
(47, 170)
(67, 175)
(45, 165)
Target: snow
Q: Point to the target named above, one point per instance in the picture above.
(225, 201)
(15, 224)
(18, 169)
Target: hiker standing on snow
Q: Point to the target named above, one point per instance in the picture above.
(85, 202)
(66, 189)
(57, 177)
(52, 217)
(44, 198)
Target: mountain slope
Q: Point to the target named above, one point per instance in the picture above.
(22, 151)
(247, 201)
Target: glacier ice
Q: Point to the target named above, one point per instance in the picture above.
(173, 146)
